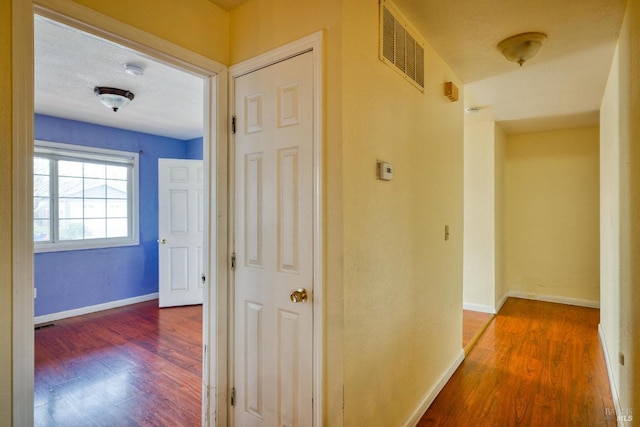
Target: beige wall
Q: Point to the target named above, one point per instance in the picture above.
(197, 25)
(5, 213)
(402, 280)
(552, 223)
(620, 223)
(479, 214)
(500, 151)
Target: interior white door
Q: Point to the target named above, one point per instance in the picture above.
(180, 231)
(273, 335)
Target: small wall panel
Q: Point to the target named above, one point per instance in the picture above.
(288, 105)
(253, 209)
(179, 211)
(253, 336)
(288, 229)
(288, 354)
(179, 268)
(253, 113)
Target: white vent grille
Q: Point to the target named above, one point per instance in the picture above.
(400, 46)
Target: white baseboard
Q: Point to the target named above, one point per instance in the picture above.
(556, 299)
(93, 308)
(479, 307)
(502, 301)
(612, 380)
(431, 395)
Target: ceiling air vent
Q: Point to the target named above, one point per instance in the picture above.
(400, 46)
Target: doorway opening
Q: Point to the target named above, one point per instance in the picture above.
(83, 19)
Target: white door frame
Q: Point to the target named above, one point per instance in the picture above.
(215, 158)
(313, 44)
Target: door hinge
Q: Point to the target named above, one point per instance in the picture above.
(233, 396)
(233, 261)
(233, 124)
(203, 278)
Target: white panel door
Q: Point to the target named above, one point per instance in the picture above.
(180, 231)
(274, 245)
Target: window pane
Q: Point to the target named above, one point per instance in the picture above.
(41, 230)
(117, 228)
(117, 189)
(41, 185)
(117, 172)
(117, 209)
(94, 208)
(41, 166)
(95, 228)
(93, 170)
(69, 168)
(70, 208)
(70, 187)
(70, 229)
(41, 208)
(94, 188)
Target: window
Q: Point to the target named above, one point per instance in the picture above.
(83, 197)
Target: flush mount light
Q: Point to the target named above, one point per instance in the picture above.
(521, 47)
(112, 97)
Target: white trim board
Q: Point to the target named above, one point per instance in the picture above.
(555, 299)
(93, 308)
(478, 307)
(431, 395)
(612, 380)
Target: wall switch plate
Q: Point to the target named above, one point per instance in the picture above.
(35, 293)
(385, 171)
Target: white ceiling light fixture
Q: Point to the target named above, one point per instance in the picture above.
(521, 47)
(113, 98)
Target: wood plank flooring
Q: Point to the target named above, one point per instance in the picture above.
(131, 366)
(537, 364)
(474, 324)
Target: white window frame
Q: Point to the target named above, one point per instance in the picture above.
(82, 152)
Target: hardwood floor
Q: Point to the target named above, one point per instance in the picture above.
(131, 366)
(474, 324)
(537, 364)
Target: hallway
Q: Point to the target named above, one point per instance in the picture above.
(537, 364)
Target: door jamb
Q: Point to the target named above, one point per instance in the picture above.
(312, 43)
(215, 154)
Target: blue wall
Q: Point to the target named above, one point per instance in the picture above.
(74, 279)
(194, 149)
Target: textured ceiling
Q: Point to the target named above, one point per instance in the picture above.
(70, 63)
(561, 87)
(566, 78)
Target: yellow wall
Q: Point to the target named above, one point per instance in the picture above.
(620, 225)
(479, 213)
(552, 224)
(5, 213)
(198, 25)
(402, 281)
(500, 155)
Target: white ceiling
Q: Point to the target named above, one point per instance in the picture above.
(70, 63)
(561, 87)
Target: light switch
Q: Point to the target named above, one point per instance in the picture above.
(385, 171)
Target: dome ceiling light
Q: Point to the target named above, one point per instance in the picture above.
(113, 98)
(521, 47)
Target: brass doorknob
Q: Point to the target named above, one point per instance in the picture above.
(162, 241)
(299, 295)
